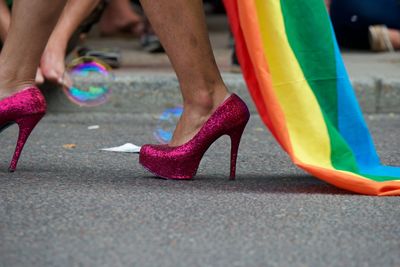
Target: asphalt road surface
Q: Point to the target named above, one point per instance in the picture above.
(82, 207)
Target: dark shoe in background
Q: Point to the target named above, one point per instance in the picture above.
(110, 56)
(150, 43)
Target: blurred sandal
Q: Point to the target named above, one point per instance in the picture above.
(379, 39)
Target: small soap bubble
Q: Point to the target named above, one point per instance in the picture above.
(87, 81)
(166, 124)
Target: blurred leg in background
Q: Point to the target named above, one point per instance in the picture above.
(66, 33)
(119, 17)
(52, 63)
(373, 24)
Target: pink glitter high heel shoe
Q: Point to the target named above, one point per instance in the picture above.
(24, 108)
(181, 162)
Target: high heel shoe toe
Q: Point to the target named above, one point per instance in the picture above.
(182, 162)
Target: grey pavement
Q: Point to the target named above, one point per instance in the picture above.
(84, 207)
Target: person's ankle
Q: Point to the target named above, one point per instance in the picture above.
(201, 105)
(206, 101)
(13, 82)
(10, 88)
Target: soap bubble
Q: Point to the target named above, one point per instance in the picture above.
(166, 124)
(87, 81)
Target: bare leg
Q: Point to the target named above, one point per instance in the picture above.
(180, 25)
(52, 63)
(31, 24)
(5, 19)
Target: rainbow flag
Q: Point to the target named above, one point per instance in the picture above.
(295, 74)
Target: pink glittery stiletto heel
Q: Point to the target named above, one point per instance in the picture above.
(181, 162)
(25, 108)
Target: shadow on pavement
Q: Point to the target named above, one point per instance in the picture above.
(122, 179)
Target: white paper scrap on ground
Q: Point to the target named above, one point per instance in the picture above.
(127, 148)
(93, 127)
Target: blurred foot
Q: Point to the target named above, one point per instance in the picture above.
(52, 63)
(117, 19)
